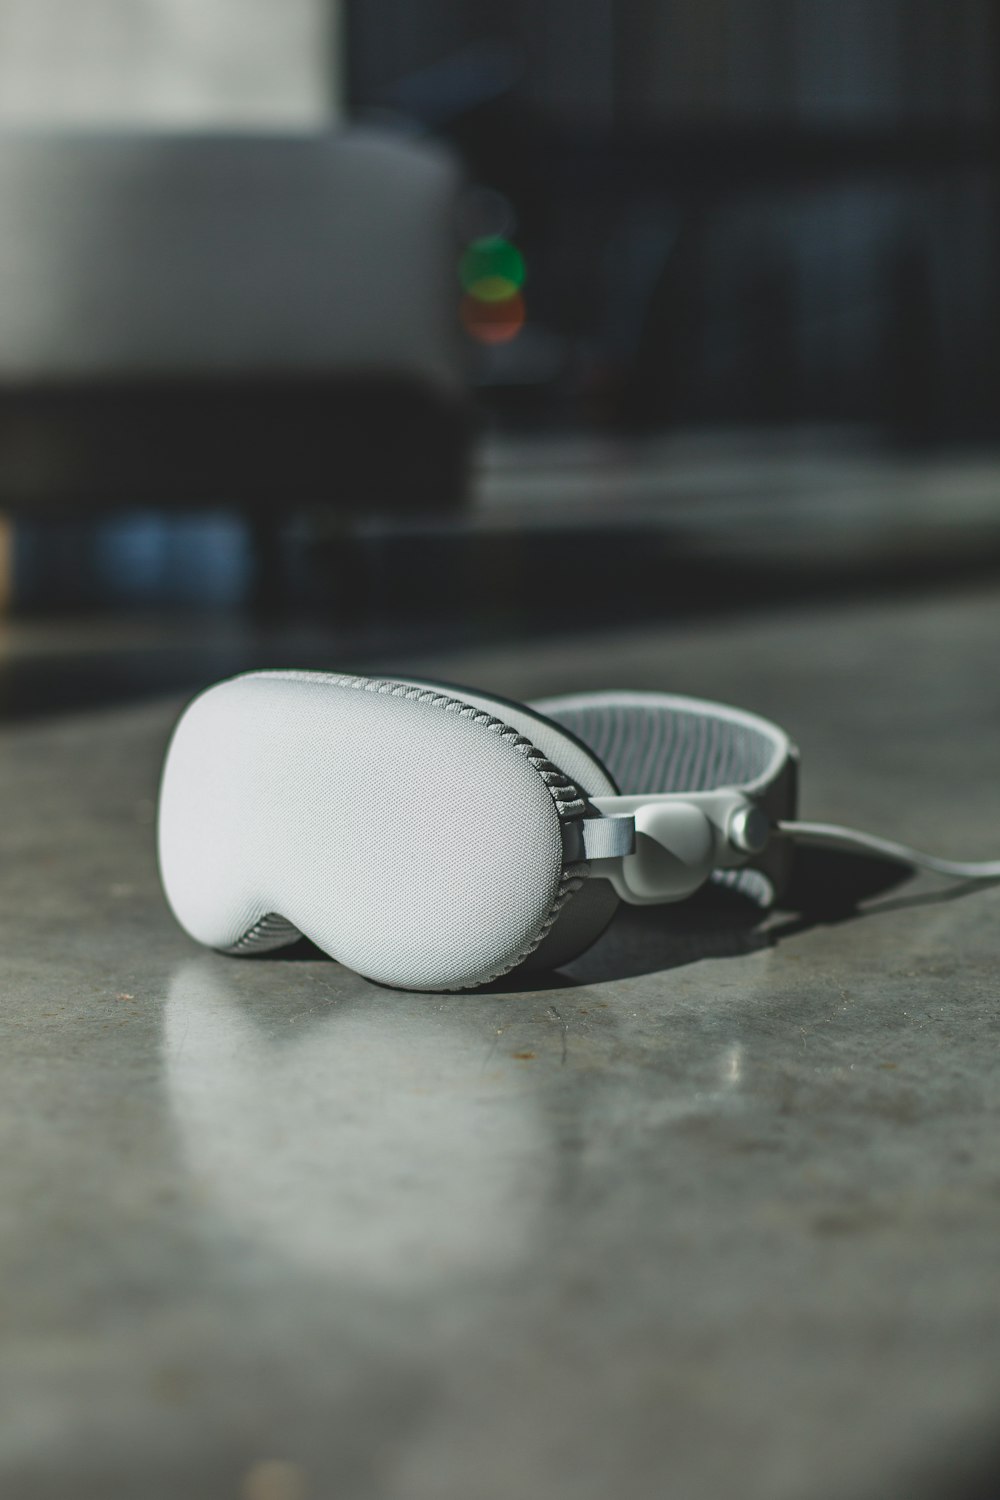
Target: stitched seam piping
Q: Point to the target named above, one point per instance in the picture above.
(272, 931)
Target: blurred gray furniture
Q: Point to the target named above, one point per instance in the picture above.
(259, 322)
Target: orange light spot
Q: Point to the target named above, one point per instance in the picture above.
(493, 322)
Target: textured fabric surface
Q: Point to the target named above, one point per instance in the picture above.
(653, 742)
(414, 837)
(556, 741)
(579, 925)
(581, 921)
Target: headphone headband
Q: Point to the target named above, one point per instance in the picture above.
(706, 777)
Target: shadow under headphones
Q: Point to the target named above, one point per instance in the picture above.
(432, 837)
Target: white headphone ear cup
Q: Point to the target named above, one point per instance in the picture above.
(578, 926)
(582, 765)
(419, 845)
(590, 909)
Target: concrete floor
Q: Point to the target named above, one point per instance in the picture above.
(715, 1213)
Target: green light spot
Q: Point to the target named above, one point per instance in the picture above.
(493, 289)
(491, 260)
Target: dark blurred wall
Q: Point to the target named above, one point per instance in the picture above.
(652, 60)
(732, 210)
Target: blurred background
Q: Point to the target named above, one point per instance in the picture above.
(331, 326)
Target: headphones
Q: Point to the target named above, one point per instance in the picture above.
(433, 837)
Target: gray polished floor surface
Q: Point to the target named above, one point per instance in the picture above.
(715, 1213)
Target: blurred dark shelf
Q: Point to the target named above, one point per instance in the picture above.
(734, 154)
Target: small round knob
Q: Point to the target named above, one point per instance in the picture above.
(749, 830)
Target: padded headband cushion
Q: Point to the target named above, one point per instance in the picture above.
(657, 742)
(412, 835)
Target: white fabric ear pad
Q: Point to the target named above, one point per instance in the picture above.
(412, 835)
(581, 921)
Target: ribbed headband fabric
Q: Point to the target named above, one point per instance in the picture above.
(655, 742)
